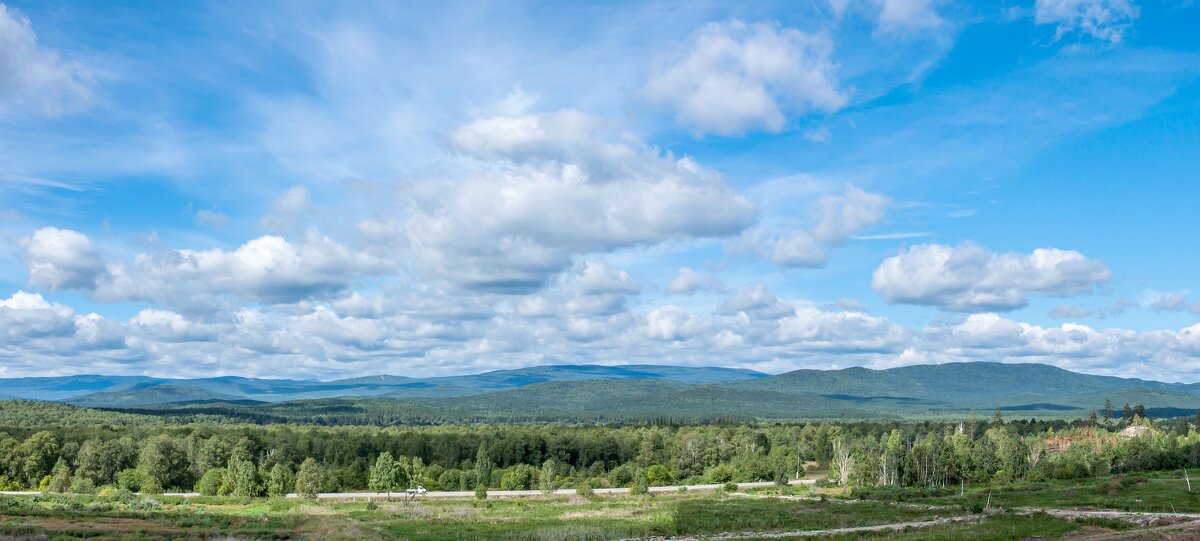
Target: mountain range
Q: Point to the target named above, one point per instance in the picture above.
(627, 392)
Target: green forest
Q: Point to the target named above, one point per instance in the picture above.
(92, 451)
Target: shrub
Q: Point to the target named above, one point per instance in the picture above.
(730, 487)
(210, 482)
(130, 480)
(481, 491)
(109, 491)
(584, 488)
(150, 485)
(82, 485)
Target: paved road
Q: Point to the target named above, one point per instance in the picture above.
(471, 493)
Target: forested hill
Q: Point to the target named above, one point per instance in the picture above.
(93, 390)
(625, 393)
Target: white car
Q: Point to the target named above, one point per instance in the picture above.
(416, 491)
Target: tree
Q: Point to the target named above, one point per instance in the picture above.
(1108, 412)
(658, 475)
(40, 451)
(310, 479)
(210, 483)
(60, 478)
(100, 461)
(1126, 414)
(1139, 411)
(387, 475)
(280, 480)
(519, 477)
(997, 420)
(843, 463)
(165, 460)
(1092, 418)
(549, 477)
(483, 464)
(242, 477)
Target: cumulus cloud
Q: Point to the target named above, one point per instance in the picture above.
(1176, 301)
(969, 278)
(735, 77)
(267, 269)
(33, 77)
(61, 259)
(1106, 20)
(554, 186)
(833, 219)
(689, 281)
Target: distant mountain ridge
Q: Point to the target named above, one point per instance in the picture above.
(127, 391)
(634, 392)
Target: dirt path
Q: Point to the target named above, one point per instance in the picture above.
(1191, 530)
(895, 526)
(1135, 517)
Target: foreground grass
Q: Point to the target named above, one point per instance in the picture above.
(1159, 492)
(551, 519)
(713, 515)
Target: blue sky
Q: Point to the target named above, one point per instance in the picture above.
(320, 189)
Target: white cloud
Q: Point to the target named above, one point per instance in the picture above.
(288, 211)
(1106, 20)
(1176, 301)
(907, 16)
(969, 278)
(33, 77)
(671, 323)
(552, 187)
(735, 77)
(837, 217)
(267, 269)
(1070, 312)
(211, 218)
(167, 326)
(29, 315)
(61, 259)
(689, 281)
(833, 219)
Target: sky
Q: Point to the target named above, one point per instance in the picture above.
(321, 190)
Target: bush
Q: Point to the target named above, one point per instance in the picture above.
(659, 475)
(130, 480)
(210, 482)
(150, 485)
(109, 491)
(976, 508)
(481, 491)
(371, 506)
(584, 488)
(730, 487)
(639, 488)
(82, 485)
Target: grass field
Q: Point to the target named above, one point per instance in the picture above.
(562, 518)
(1156, 492)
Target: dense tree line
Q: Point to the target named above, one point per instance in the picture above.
(250, 460)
